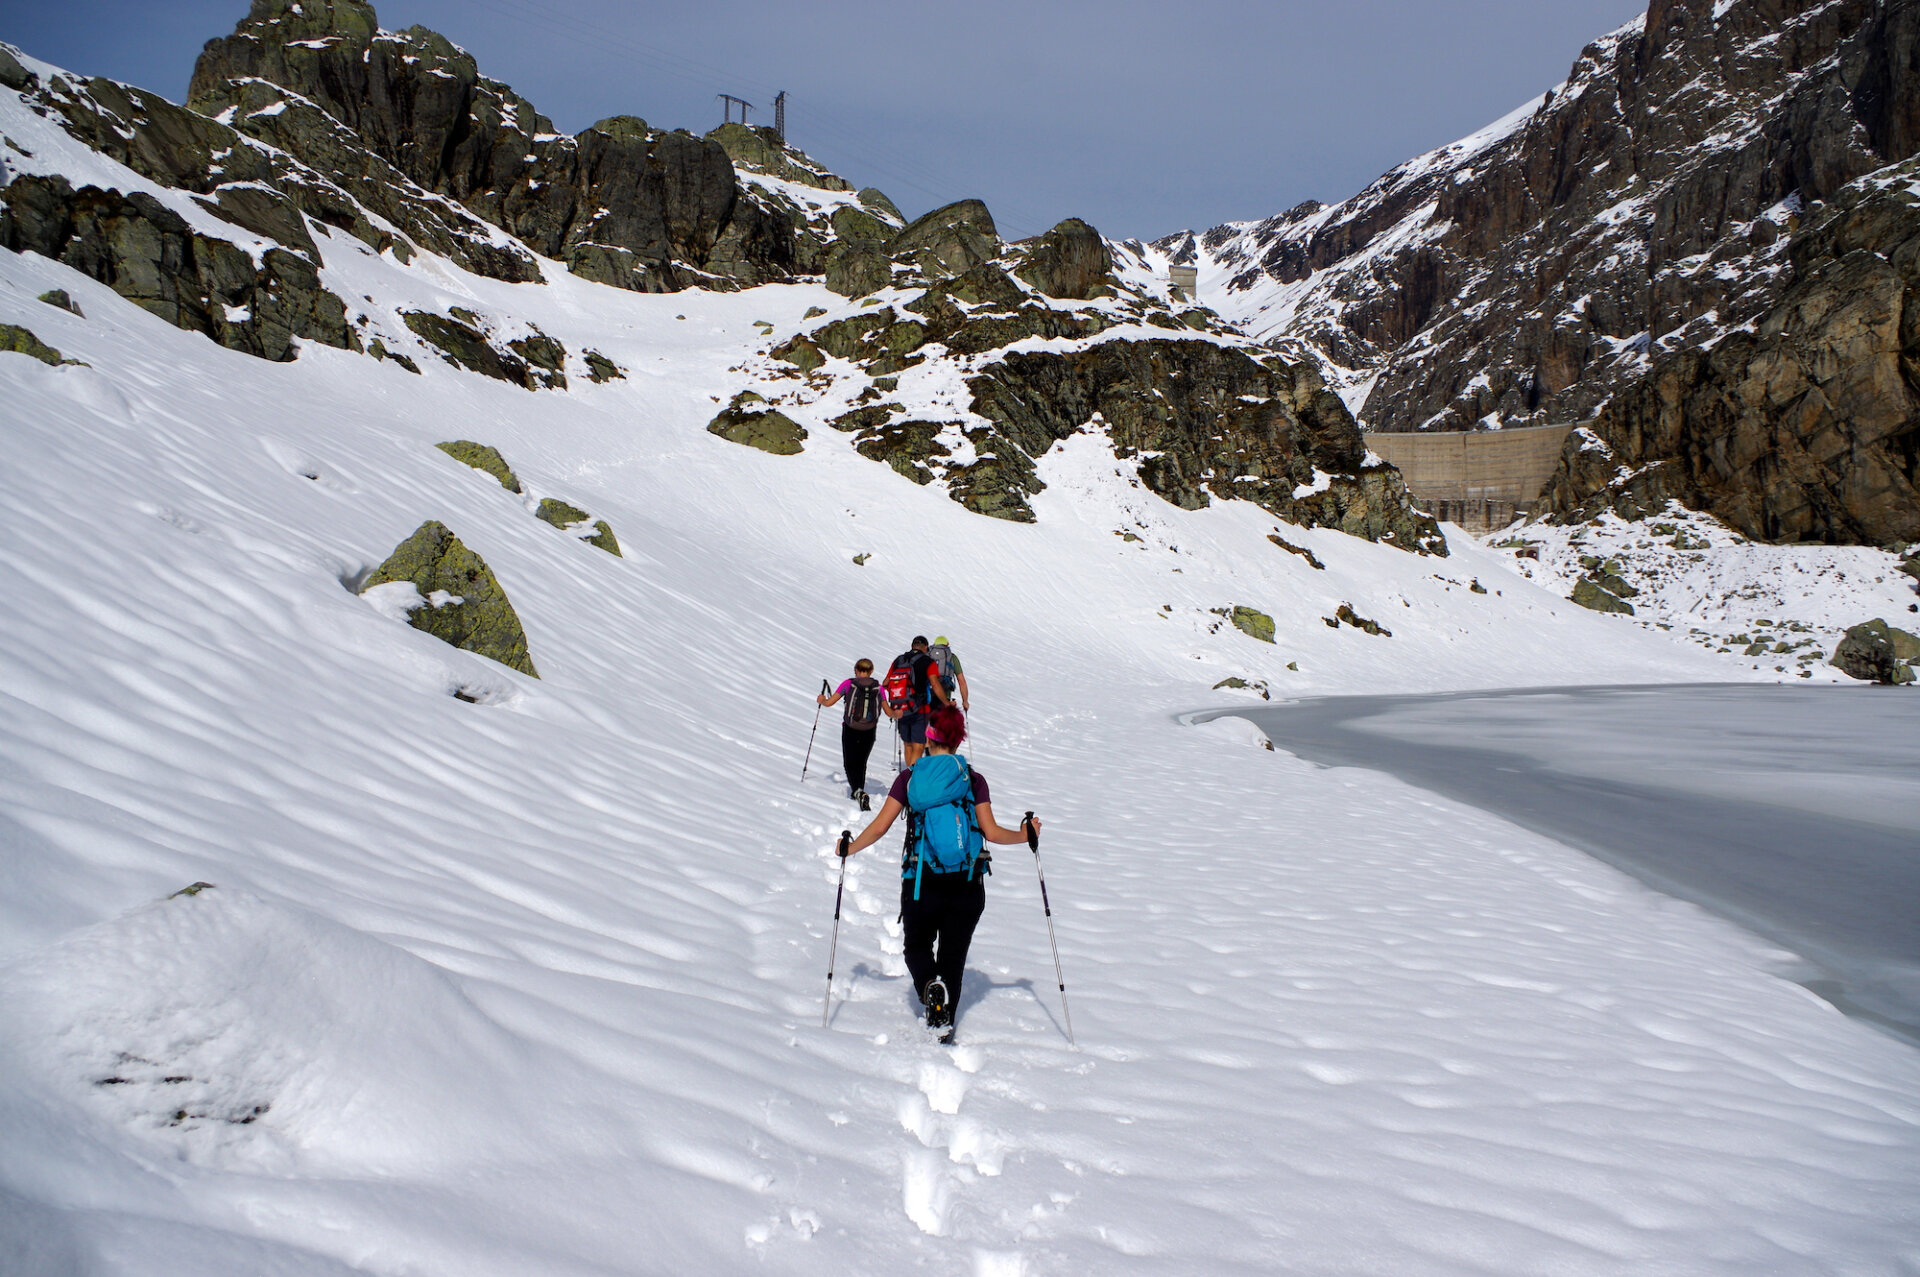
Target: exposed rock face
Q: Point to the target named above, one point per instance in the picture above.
(534, 361)
(1871, 653)
(1806, 428)
(1254, 624)
(1207, 420)
(950, 240)
(460, 602)
(571, 518)
(1642, 210)
(21, 341)
(1071, 260)
(58, 297)
(1592, 594)
(857, 267)
(751, 421)
(148, 254)
(483, 458)
(264, 188)
(1345, 615)
(621, 203)
(1206, 414)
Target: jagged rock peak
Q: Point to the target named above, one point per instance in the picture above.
(1535, 272)
(622, 203)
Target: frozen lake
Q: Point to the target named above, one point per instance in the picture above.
(1795, 811)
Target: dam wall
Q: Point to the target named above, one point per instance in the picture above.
(1482, 479)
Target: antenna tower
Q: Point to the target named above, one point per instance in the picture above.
(780, 116)
(728, 102)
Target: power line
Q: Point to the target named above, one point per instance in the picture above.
(843, 136)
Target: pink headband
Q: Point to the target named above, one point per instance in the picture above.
(933, 734)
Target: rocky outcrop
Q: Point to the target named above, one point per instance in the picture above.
(58, 297)
(21, 341)
(1876, 652)
(534, 361)
(266, 189)
(1805, 427)
(1254, 624)
(948, 241)
(1202, 413)
(570, 518)
(1069, 261)
(1607, 244)
(1206, 420)
(855, 268)
(1595, 596)
(455, 596)
(621, 203)
(483, 458)
(1345, 615)
(149, 254)
(750, 420)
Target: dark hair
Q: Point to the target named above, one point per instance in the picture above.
(919, 640)
(949, 724)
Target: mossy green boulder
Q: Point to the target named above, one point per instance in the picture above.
(1253, 623)
(570, 518)
(1589, 593)
(58, 297)
(21, 341)
(461, 602)
(482, 457)
(750, 420)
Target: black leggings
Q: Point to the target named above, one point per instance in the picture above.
(945, 915)
(855, 745)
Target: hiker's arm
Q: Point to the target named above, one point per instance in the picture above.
(829, 700)
(991, 830)
(889, 811)
(966, 699)
(939, 689)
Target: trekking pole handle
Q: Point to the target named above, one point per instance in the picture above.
(1033, 835)
(846, 837)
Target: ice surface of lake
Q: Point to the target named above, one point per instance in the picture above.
(1793, 810)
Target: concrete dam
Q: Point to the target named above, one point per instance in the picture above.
(1481, 479)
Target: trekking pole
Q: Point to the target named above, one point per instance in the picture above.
(816, 727)
(1033, 845)
(846, 836)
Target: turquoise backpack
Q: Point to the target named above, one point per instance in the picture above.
(943, 834)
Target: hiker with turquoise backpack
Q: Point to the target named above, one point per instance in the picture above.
(942, 874)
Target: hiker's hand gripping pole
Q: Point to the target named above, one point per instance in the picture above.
(846, 836)
(1033, 844)
(816, 727)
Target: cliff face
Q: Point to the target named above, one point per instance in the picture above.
(1532, 273)
(1805, 426)
(620, 203)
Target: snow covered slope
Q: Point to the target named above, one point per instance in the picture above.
(531, 981)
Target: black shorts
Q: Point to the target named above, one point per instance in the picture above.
(913, 728)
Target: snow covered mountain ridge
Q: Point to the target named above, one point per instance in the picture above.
(1580, 261)
(957, 358)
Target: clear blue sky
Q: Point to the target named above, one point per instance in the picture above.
(1143, 118)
